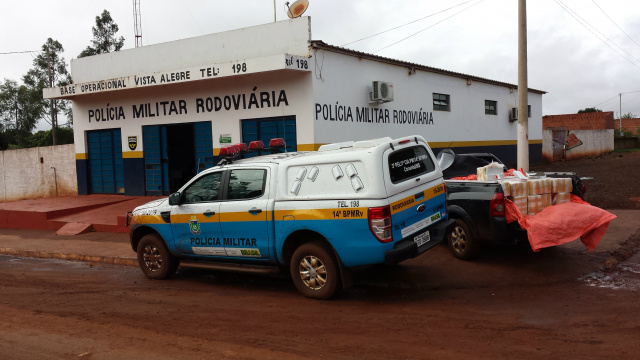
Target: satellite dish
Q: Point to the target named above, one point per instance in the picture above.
(297, 8)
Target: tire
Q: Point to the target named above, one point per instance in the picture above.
(314, 270)
(154, 258)
(461, 242)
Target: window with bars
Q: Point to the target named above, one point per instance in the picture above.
(490, 107)
(441, 102)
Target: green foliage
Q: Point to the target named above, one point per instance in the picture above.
(64, 135)
(624, 133)
(588, 110)
(19, 112)
(628, 116)
(49, 69)
(104, 37)
(13, 139)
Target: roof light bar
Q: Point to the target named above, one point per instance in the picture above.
(256, 145)
(277, 142)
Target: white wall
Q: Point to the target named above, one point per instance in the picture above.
(296, 86)
(594, 143)
(283, 37)
(23, 175)
(341, 81)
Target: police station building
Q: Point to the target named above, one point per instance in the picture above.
(148, 119)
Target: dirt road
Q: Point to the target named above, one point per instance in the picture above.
(511, 304)
(560, 303)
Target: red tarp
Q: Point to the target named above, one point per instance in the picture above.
(559, 224)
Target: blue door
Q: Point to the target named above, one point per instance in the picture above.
(106, 167)
(156, 167)
(174, 153)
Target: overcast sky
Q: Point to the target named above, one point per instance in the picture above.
(580, 64)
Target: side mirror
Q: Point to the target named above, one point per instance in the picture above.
(174, 199)
(446, 158)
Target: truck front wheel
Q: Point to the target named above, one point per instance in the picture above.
(461, 242)
(314, 270)
(154, 258)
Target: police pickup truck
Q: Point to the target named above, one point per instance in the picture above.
(317, 213)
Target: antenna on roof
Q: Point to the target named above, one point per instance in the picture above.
(137, 19)
(297, 8)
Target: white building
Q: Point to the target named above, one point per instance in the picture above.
(147, 119)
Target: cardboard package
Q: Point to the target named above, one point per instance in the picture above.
(521, 202)
(534, 204)
(517, 188)
(506, 189)
(561, 198)
(562, 185)
(492, 171)
(539, 186)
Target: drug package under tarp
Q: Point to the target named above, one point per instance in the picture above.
(562, 223)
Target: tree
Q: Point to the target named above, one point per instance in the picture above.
(20, 109)
(104, 37)
(49, 69)
(628, 116)
(588, 110)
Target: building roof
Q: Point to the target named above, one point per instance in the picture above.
(319, 44)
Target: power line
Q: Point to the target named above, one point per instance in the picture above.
(19, 52)
(409, 23)
(595, 106)
(615, 23)
(603, 35)
(401, 40)
(565, 7)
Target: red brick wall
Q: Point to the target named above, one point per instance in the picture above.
(628, 125)
(584, 121)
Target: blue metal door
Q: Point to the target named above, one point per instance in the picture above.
(167, 147)
(156, 167)
(106, 167)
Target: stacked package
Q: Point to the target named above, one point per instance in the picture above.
(539, 194)
(562, 188)
(531, 196)
(518, 194)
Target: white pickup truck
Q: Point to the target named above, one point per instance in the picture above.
(315, 213)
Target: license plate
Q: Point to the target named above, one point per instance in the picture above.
(422, 239)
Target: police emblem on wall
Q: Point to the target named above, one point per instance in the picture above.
(194, 225)
(133, 142)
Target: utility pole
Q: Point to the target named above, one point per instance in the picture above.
(620, 116)
(523, 89)
(53, 117)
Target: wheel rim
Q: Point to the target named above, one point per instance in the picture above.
(313, 272)
(458, 239)
(152, 258)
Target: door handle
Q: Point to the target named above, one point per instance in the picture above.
(208, 213)
(255, 211)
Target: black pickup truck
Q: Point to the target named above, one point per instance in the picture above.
(479, 206)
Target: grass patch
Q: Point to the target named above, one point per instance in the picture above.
(625, 150)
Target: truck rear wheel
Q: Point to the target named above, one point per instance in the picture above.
(154, 258)
(461, 242)
(314, 270)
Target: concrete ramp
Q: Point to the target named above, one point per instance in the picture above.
(74, 228)
(101, 213)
